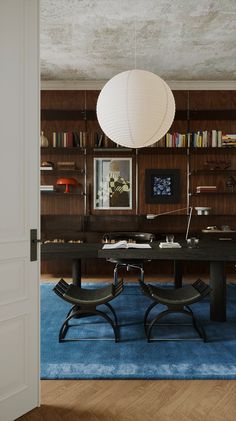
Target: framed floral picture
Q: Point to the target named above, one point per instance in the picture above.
(113, 183)
(162, 186)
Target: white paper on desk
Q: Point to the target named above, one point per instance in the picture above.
(125, 245)
(169, 245)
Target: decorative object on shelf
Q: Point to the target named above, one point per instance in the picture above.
(212, 228)
(226, 228)
(230, 183)
(113, 183)
(217, 165)
(67, 182)
(44, 143)
(162, 186)
(47, 165)
(67, 165)
(202, 210)
(135, 108)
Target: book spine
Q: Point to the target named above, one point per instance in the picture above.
(54, 140)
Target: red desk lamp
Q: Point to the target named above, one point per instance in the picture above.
(67, 182)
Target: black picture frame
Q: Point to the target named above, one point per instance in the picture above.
(162, 186)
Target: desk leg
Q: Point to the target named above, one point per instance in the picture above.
(76, 272)
(178, 273)
(218, 294)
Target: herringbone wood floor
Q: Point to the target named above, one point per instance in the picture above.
(136, 400)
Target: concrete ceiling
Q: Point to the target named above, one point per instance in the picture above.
(176, 39)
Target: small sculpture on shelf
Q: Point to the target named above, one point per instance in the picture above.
(44, 143)
(231, 183)
(214, 165)
(47, 165)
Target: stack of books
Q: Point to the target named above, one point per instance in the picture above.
(66, 165)
(206, 189)
(46, 168)
(47, 187)
(229, 140)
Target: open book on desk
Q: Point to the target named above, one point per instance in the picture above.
(125, 245)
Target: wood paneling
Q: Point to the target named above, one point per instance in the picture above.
(213, 100)
(63, 217)
(65, 100)
(223, 204)
(163, 161)
(51, 204)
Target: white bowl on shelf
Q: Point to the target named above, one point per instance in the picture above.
(202, 210)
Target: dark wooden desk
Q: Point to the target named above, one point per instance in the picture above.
(216, 253)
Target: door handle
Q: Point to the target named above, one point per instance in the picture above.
(33, 245)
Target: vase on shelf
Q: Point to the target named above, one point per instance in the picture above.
(44, 143)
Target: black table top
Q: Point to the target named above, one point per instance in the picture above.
(207, 251)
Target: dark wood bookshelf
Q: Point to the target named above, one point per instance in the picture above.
(56, 193)
(191, 114)
(213, 172)
(75, 111)
(213, 193)
(58, 171)
(59, 150)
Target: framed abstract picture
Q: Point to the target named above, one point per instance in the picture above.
(162, 186)
(113, 183)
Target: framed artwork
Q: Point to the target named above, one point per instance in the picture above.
(162, 186)
(113, 183)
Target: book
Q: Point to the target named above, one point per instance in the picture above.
(206, 189)
(123, 244)
(45, 168)
(47, 187)
(169, 245)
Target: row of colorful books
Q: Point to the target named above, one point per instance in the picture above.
(69, 139)
(199, 139)
(81, 139)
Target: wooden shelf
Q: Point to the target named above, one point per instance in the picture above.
(60, 114)
(185, 114)
(218, 231)
(113, 149)
(55, 193)
(57, 171)
(56, 150)
(162, 150)
(212, 172)
(223, 149)
(213, 193)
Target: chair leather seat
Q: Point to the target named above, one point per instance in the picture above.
(183, 296)
(79, 295)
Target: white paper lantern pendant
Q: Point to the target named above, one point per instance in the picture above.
(135, 108)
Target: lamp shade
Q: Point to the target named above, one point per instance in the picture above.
(135, 108)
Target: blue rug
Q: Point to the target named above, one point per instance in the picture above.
(133, 357)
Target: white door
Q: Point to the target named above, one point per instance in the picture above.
(19, 206)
